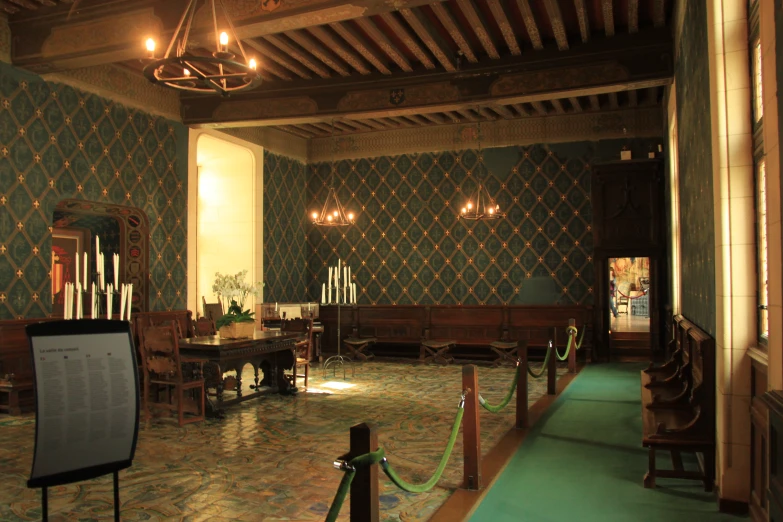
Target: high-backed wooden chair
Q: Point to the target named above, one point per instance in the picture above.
(303, 348)
(212, 311)
(164, 367)
(204, 326)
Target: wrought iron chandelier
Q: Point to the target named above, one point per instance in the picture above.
(480, 205)
(219, 72)
(333, 214)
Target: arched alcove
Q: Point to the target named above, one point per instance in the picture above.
(122, 230)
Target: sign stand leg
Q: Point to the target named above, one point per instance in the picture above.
(44, 504)
(116, 496)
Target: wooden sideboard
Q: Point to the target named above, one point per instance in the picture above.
(400, 329)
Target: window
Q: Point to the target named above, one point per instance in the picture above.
(761, 223)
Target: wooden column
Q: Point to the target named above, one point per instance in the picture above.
(522, 411)
(471, 429)
(365, 505)
(572, 353)
(551, 374)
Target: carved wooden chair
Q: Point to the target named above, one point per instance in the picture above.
(204, 326)
(168, 371)
(303, 348)
(213, 311)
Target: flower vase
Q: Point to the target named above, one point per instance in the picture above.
(238, 330)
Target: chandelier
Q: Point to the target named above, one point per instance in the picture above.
(480, 205)
(182, 69)
(333, 213)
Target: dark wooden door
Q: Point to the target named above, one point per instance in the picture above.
(628, 221)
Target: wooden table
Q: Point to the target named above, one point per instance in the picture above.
(271, 352)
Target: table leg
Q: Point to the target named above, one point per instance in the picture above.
(239, 382)
(255, 373)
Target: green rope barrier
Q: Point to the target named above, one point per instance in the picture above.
(495, 409)
(421, 488)
(579, 344)
(571, 330)
(368, 459)
(536, 374)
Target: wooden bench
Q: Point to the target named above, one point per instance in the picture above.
(680, 422)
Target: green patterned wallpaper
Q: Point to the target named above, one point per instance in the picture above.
(695, 167)
(56, 143)
(408, 247)
(285, 248)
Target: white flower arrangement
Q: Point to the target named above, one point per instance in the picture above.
(230, 288)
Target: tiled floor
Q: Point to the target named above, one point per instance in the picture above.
(271, 458)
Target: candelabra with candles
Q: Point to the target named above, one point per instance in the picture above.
(338, 290)
(98, 289)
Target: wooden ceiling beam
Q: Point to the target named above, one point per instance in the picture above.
(633, 100)
(423, 29)
(613, 102)
(407, 39)
(556, 21)
(558, 106)
(297, 55)
(317, 50)
(341, 125)
(487, 114)
(595, 103)
(322, 127)
(28, 4)
(435, 117)
(360, 46)
(275, 55)
(317, 130)
(369, 27)
(296, 130)
(373, 124)
(659, 13)
(400, 121)
(479, 27)
(73, 45)
(530, 24)
(575, 104)
(8, 7)
(47, 3)
(520, 108)
(607, 8)
(503, 111)
(467, 114)
(506, 29)
(584, 20)
(539, 107)
(454, 31)
(339, 49)
(633, 16)
(417, 118)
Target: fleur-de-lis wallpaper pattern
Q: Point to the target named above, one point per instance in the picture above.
(56, 143)
(409, 247)
(695, 167)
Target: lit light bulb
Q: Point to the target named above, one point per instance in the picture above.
(151, 45)
(491, 210)
(252, 64)
(350, 216)
(315, 215)
(186, 72)
(464, 210)
(335, 213)
(470, 206)
(223, 38)
(328, 218)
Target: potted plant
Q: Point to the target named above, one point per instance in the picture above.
(232, 290)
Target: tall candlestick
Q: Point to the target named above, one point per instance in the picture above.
(86, 273)
(323, 293)
(79, 301)
(116, 258)
(102, 269)
(129, 293)
(108, 301)
(123, 289)
(76, 266)
(97, 246)
(92, 307)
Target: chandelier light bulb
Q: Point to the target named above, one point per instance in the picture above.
(491, 210)
(470, 205)
(186, 72)
(464, 210)
(328, 218)
(252, 64)
(224, 38)
(150, 45)
(334, 213)
(315, 215)
(350, 216)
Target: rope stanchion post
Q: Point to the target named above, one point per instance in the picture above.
(471, 429)
(572, 353)
(522, 411)
(551, 371)
(365, 503)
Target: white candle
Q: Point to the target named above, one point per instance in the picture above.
(79, 312)
(122, 302)
(330, 274)
(116, 258)
(92, 307)
(353, 292)
(66, 303)
(323, 293)
(85, 272)
(97, 246)
(275, 306)
(108, 302)
(76, 265)
(129, 293)
(103, 272)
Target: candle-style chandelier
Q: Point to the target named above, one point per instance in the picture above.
(333, 214)
(181, 68)
(480, 205)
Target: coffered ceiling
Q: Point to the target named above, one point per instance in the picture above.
(368, 65)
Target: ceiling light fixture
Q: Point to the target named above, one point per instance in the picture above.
(219, 72)
(333, 213)
(481, 205)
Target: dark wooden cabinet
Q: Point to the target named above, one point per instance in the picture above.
(629, 220)
(774, 471)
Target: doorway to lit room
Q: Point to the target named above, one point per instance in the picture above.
(629, 311)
